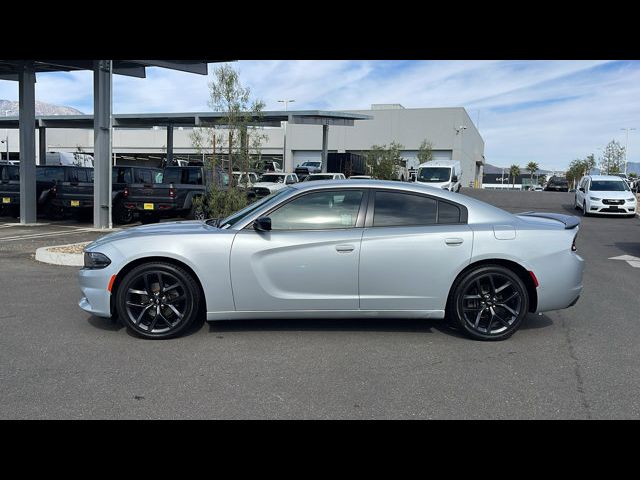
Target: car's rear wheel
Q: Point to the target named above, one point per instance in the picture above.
(489, 302)
(121, 214)
(158, 300)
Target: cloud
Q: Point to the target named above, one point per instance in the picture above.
(546, 111)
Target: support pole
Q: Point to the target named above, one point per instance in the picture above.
(27, 121)
(325, 142)
(102, 143)
(169, 144)
(42, 146)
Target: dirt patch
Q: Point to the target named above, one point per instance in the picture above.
(75, 248)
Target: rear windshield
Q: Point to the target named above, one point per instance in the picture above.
(608, 186)
(319, 177)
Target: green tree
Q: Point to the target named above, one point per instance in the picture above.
(425, 152)
(514, 171)
(384, 162)
(532, 167)
(612, 161)
(233, 133)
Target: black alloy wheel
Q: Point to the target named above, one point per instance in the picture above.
(158, 300)
(489, 302)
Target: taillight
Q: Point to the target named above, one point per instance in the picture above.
(172, 191)
(54, 190)
(126, 192)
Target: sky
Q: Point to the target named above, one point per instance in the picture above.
(550, 112)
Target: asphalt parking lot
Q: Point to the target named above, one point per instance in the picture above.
(56, 361)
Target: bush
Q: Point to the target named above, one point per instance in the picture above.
(218, 203)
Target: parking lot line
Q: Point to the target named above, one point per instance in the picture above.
(32, 236)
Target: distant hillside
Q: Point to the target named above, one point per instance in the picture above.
(10, 109)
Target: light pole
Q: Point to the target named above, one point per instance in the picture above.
(284, 146)
(626, 148)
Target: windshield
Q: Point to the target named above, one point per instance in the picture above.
(434, 174)
(311, 164)
(608, 186)
(239, 215)
(558, 181)
(270, 177)
(318, 177)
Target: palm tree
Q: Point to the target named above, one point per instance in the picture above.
(532, 167)
(514, 171)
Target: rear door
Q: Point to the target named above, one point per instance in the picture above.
(412, 248)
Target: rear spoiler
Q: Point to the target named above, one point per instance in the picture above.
(569, 221)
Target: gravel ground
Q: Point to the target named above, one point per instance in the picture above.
(74, 248)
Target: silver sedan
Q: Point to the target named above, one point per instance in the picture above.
(340, 249)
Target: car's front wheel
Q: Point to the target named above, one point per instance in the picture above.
(158, 300)
(489, 302)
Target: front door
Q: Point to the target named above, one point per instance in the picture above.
(307, 261)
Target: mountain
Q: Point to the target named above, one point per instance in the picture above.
(10, 109)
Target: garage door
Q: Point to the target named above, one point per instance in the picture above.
(301, 156)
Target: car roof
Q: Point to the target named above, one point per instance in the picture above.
(606, 177)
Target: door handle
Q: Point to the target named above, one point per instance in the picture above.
(345, 248)
(453, 241)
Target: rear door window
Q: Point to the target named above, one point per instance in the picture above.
(394, 209)
(121, 175)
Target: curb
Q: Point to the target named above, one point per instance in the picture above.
(44, 255)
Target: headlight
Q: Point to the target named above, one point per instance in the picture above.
(95, 260)
(631, 199)
(595, 199)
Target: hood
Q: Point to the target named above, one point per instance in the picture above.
(168, 228)
(270, 185)
(436, 184)
(610, 195)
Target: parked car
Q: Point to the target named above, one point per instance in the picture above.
(59, 189)
(328, 250)
(307, 168)
(324, 176)
(123, 177)
(557, 184)
(174, 194)
(272, 182)
(605, 194)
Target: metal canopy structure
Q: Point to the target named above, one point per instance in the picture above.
(196, 119)
(24, 72)
(168, 120)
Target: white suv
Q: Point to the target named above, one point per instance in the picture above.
(605, 194)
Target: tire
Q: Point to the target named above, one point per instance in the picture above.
(122, 215)
(146, 218)
(500, 313)
(575, 204)
(584, 209)
(163, 284)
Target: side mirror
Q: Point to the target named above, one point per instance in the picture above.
(581, 189)
(262, 224)
(454, 179)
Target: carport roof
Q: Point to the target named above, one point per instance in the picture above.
(196, 119)
(9, 69)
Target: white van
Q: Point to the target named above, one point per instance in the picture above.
(445, 174)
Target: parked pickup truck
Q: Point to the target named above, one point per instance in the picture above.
(307, 168)
(172, 196)
(122, 178)
(58, 189)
